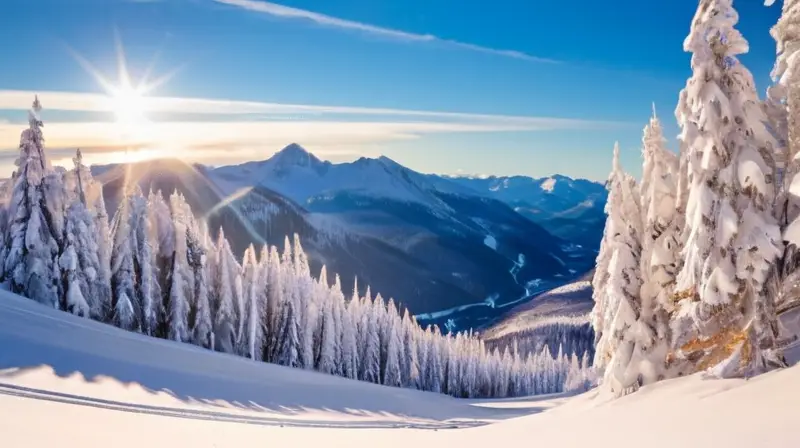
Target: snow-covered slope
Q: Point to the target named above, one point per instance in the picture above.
(70, 382)
(558, 317)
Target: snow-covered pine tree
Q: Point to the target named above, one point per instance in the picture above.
(392, 375)
(308, 308)
(31, 244)
(659, 257)
(222, 289)
(410, 352)
(339, 313)
(350, 319)
(623, 287)
(253, 340)
(201, 320)
(604, 306)
(180, 278)
(288, 352)
(783, 107)
(275, 304)
(80, 262)
(371, 360)
(326, 360)
(125, 285)
(161, 237)
(731, 239)
(601, 273)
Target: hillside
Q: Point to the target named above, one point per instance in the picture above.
(559, 317)
(95, 386)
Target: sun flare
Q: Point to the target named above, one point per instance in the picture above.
(128, 106)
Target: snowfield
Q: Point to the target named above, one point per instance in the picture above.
(67, 381)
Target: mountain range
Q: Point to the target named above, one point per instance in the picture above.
(456, 251)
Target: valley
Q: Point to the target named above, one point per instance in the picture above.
(456, 251)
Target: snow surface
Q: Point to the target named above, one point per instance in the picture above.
(549, 185)
(91, 385)
(490, 241)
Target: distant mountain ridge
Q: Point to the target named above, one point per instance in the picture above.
(431, 242)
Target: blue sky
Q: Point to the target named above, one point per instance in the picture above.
(534, 87)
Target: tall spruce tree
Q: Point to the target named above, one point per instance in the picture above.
(31, 245)
(731, 240)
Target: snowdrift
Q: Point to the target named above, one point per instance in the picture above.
(66, 381)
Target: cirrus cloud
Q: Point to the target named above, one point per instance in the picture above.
(287, 12)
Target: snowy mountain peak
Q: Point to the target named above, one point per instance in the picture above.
(294, 155)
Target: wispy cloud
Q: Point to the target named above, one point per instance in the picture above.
(216, 131)
(288, 12)
(90, 102)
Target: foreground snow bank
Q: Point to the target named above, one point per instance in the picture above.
(66, 381)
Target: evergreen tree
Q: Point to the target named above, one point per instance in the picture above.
(180, 278)
(394, 348)
(31, 244)
(223, 280)
(202, 323)
(623, 286)
(659, 257)
(371, 360)
(254, 305)
(289, 339)
(79, 262)
(327, 353)
(125, 287)
(731, 239)
(411, 369)
(784, 107)
(275, 303)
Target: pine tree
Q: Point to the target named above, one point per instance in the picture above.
(327, 353)
(601, 272)
(411, 369)
(31, 244)
(79, 262)
(275, 303)
(254, 305)
(305, 299)
(783, 107)
(127, 310)
(659, 257)
(394, 348)
(348, 341)
(371, 360)
(202, 324)
(288, 353)
(180, 279)
(731, 239)
(225, 323)
(624, 283)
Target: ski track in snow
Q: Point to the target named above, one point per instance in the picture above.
(111, 405)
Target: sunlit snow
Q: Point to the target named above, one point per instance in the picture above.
(549, 185)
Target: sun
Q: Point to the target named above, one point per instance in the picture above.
(128, 106)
